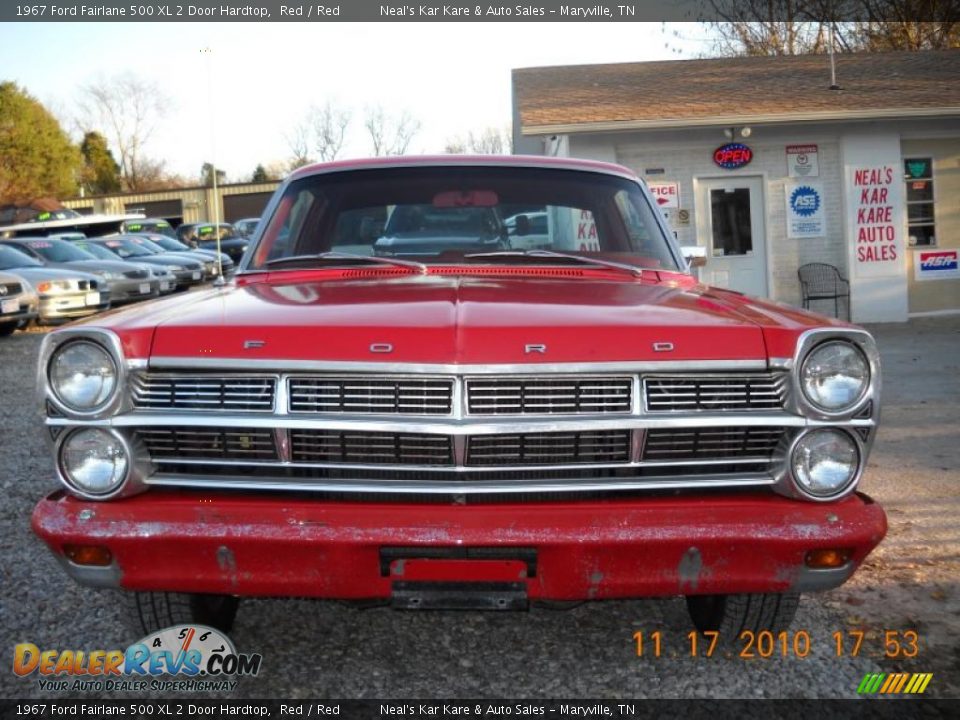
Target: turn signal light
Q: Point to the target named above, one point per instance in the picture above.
(827, 558)
(88, 554)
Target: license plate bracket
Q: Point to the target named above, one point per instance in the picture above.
(459, 596)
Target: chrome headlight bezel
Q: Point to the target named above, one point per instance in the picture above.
(812, 354)
(867, 405)
(848, 486)
(139, 466)
(106, 341)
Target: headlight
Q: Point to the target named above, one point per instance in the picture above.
(82, 375)
(824, 462)
(106, 275)
(53, 286)
(172, 268)
(94, 461)
(835, 376)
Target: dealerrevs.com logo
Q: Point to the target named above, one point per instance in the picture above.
(187, 657)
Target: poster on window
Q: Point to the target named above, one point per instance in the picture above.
(805, 215)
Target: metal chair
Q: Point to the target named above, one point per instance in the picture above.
(820, 281)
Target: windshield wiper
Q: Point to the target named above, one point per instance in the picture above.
(334, 255)
(632, 269)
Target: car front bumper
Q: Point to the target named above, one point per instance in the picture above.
(279, 545)
(129, 290)
(67, 305)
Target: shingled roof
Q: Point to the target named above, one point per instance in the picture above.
(687, 93)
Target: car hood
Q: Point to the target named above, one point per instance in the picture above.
(180, 262)
(91, 266)
(463, 320)
(39, 274)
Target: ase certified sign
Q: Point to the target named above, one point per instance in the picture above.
(936, 264)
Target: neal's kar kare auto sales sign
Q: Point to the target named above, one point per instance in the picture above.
(877, 237)
(805, 215)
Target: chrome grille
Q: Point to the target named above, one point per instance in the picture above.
(209, 443)
(203, 392)
(715, 392)
(412, 396)
(136, 274)
(11, 288)
(696, 444)
(554, 448)
(541, 396)
(370, 448)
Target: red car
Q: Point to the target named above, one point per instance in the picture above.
(446, 421)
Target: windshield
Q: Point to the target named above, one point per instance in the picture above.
(127, 248)
(148, 244)
(98, 251)
(168, 243)
(57, 251)
(12, 258)
(446, 214)
(154, 226)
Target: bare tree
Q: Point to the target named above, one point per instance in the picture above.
(298, 140)
(489, 141)
(329, 124)
(793, 27)
(390, 135)
(127, 109)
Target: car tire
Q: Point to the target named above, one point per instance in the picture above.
(154, 611)
(731, 615)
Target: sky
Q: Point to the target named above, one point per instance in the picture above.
(239, 104)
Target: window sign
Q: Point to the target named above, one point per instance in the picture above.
(805, 215)
(921, 227)
(732, 156)
(802, 161)
(936, 265)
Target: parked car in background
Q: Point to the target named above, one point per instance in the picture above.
(170, 244)
(166, 280)
(204, 236)
(148, 225)
(445, 226)
(528, 231)
(62, 294)
(246, 227)
(186, 271)
(127, 283)
(210, 267)
(18, 303)
(462, 427)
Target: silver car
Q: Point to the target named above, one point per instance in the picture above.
(166, 280)
(63, 294)
(128, 283)
(18, 303)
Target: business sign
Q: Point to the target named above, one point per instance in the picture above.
(803, 161)
(876, 208)
(936, 264)
(732, 156)
(667, 194)
(805, 214)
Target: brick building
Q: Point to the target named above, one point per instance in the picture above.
(768, 165)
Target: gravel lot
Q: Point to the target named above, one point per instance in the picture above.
(314, 649)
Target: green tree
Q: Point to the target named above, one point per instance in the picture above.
(101, 173)
(259, 174)
(36, 156)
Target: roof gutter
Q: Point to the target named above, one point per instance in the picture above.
(728, 120)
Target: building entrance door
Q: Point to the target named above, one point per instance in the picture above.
(730, 225)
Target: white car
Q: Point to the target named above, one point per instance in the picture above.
(18, 303)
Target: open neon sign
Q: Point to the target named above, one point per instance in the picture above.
(732, 156)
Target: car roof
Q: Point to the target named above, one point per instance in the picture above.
(526, 161)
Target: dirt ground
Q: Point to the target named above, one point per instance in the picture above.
(912, 581)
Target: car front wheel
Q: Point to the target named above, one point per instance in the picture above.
(731, 615)
(154, 611)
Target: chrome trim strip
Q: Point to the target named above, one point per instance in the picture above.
(449, 488)
(335, 366)
(819, 579)
(447, 426)
(462, 468)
